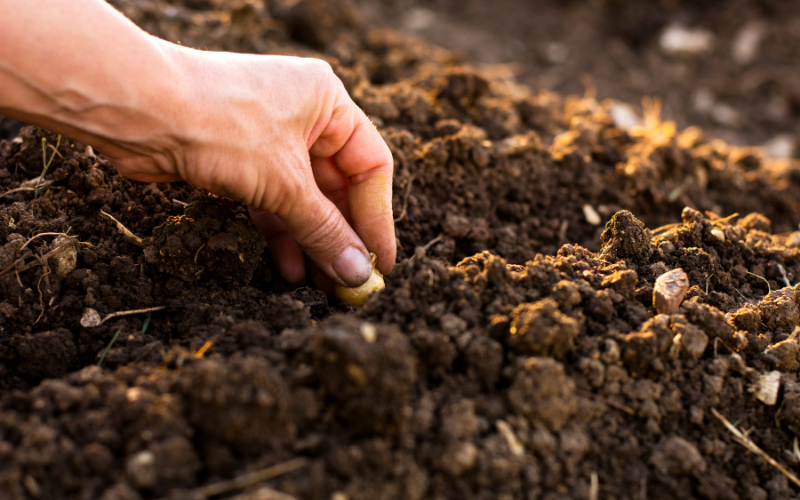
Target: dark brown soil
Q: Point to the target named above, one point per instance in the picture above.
(514, 354)
(555, 44)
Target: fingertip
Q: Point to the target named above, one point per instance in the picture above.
(352, 267)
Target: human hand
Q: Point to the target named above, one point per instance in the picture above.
(281, 135)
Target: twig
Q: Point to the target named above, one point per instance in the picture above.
(197, 254)
(108, 347)
(133, 311)
(200, 352)
(250, 478)
(44, 257)
(14, 264)
(783, 275)
(763, 278)
(91, 318)
(594, 486)
(28, 188)
(124, 231)
(405, 199)
(179, 202)
(42, 234)
(39, 289)
(743, 439)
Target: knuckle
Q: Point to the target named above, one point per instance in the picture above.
(325, 234)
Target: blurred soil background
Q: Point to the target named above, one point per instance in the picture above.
(729, 66)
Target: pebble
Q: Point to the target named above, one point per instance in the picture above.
(747, 42)
(669, 291)
(780, 147)
(624, 116)
(767, 387)
(592, 217)
(680, 41)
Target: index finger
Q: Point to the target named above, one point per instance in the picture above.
(366, 160)
(361, 154)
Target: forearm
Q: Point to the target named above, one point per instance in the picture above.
(80, 68)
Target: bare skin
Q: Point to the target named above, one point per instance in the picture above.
(277, 133)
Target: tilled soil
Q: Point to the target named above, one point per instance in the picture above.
(744, 86)
(515, 352)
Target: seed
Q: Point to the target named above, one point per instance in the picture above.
(358, 295)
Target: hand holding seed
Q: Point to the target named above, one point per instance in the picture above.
(280, 134)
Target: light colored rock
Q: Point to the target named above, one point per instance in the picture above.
(418, 19)
(592, 217)
(781, 146)
(680, 41)
(65, 256)
(703, 101)
(556, 52)
(90, 318)
(624, 116)
(141, 469)
(725, 115)
(767, 387)
(747, 42)
(669, 291)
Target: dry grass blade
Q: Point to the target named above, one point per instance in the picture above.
(42, 234)
(748, 443)
(14, 264)
(44, 157)
(124, 231)
(594, 487)
(250, 479)
(43, 185)
(407, 194)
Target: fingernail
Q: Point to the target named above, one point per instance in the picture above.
(352, 267)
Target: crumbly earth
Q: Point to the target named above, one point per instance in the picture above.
(514, 354)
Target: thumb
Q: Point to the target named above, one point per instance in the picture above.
(326, 238)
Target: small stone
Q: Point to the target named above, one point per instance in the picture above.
(556, 52)
(369, 332)
(90, 318)
(781, 146)
(725, 115)
(680, 41)
(717, 234)
(624, 117)
(592, 217)
(141, 469)
(767, 387)
(747, 42)
(66, 256)
(670, 289)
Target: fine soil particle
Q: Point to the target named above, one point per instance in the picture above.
(515, 352)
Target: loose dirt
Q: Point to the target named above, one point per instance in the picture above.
(515, 352)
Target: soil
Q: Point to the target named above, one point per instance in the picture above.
(556, 45)
(514, 354)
